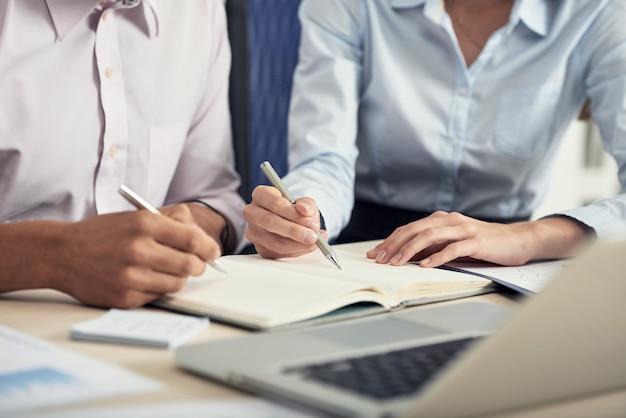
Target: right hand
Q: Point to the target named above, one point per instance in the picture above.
(279, 229)
(125, 260)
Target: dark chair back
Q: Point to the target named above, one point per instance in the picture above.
(264, 36)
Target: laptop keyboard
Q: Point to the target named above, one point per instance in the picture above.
(386, 375)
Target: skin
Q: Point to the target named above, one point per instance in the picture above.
(443, 237)
(279, 229)
(121, 260)
(480, 18)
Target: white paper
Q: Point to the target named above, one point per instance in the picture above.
(36, 374)
(140, 328)
(230, 408)
(529, 279)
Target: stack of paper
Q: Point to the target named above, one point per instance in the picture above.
(140, 328)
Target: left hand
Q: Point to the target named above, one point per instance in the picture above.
(443, 237)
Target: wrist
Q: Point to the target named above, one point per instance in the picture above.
(558, 237)
(219, 227)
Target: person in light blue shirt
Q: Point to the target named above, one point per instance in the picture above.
(435, 124)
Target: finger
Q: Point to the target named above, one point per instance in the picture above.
(448, 253)
(132, 289)
(305, 206)
(269, 198)
(432, 241)
(420, 235)
(186, 236)
(390, 247)
(303, 212)
(164, 251)
(271, 245)
(153, 282)
(269, 253)
(265, 225)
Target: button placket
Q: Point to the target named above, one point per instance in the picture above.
(112, 168)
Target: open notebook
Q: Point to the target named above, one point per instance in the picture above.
(565, 343)
(258, 293)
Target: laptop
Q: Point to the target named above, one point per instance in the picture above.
(457, 359)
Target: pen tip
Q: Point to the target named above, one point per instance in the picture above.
(218, 266)
(335, 261)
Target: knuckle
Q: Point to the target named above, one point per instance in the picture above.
(193, 241)
(143, 221)
(456, 216)
(137, 255)
(178, 285)
(182, 213)
(248, 213)
(268, 221)
(187, 266)
(276, 205)
(429, 234)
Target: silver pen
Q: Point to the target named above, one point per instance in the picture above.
(141, 203)
(276, 181)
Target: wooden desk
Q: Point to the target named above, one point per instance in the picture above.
(50, 315)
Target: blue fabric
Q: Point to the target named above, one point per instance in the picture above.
(273, 39)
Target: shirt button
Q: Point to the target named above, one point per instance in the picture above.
(463, 91)
(455, 143)
(108, 72)
(112, 151)
(105, 14)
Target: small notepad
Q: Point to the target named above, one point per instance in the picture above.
(140, 328)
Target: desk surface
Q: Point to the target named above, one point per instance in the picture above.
(50, 315)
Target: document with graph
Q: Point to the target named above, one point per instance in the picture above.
(528, 279)
(36, 375)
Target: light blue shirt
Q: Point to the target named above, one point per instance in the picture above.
(385, 108)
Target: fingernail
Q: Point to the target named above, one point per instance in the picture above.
(425, 262)
(381, 256)
(310, 237)
(313, 225)
(306, 206)
(396, 258)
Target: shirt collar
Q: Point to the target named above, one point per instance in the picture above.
(66, 14)
(403, 4)
(535, 14)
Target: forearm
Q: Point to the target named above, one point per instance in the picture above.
(26, 251)
(556, 237)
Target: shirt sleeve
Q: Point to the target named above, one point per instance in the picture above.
(206, 171)
(322, 125)
(604, 49)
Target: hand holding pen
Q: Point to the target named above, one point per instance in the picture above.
(276, 181)
(141, 203)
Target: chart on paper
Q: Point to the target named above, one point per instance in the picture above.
(529, 279)
(36, 374)
(21, 387)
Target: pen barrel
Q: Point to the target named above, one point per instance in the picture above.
(276, 181)
(322, 244)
